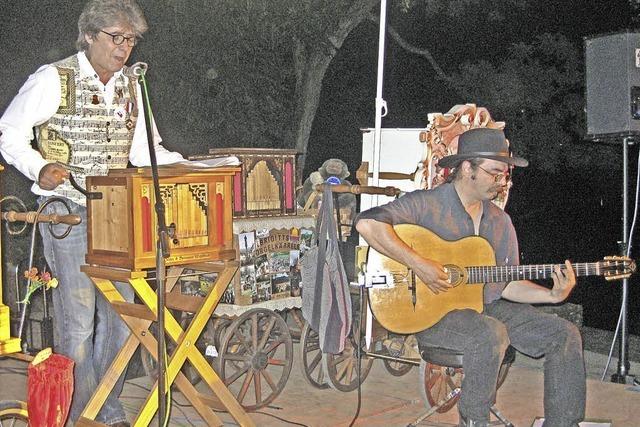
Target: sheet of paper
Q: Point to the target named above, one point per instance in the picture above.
(212, 163)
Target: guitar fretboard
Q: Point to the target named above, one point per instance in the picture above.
(507, 273)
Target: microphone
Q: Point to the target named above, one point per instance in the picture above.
(136, 70)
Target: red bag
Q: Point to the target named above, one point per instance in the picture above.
(50, 389)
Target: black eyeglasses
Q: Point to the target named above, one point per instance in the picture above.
(118, 39)
(498, 177)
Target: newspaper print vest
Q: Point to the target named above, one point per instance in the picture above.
(85, 133)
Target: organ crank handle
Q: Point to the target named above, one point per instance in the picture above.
(32, 217)
(23, 217)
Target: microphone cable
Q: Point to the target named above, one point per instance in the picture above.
(358, 339)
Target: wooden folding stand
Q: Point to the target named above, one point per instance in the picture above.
(199, 209)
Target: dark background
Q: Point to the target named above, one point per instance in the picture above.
(565, 211)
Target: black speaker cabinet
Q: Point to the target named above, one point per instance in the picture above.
(613, 85)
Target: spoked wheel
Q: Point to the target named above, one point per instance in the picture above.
(311, 358)
(295, 322)
(220, 326)
(396, 368)
(398, 346)
(13, 413)
(438, 383)
(342, 368)
(255, 358)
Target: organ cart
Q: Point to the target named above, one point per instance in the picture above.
(121, 235)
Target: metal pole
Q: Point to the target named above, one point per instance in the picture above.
(381, 105)
(623, 363)
(381, 110)
(162, 247)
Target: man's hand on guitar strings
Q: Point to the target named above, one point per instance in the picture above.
(433, 275)
(564, 280)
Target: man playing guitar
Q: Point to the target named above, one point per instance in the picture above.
(462, 207)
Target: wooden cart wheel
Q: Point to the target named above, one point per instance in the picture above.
(398, 349)
(397, 369)
(255, 358)
(342, 368)
(311, 358)
(295, 322)
(439, 381)
(220, 326)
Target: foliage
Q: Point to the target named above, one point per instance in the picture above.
(235, 72)
(243, 75)
(538, 90)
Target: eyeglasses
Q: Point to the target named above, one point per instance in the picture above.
(498, 177)
(118, 39)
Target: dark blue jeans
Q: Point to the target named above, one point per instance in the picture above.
(484, 337)
(88, 330)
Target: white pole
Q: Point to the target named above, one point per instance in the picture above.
(381, 104)
(381, 111)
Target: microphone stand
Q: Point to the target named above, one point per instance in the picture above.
(162, 248)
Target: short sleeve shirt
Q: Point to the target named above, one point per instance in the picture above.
(441, 211)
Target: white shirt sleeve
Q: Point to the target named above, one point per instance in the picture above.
(37, 100)
(35, 103)
(139, 154)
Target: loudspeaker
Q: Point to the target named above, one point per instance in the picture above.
(613, 84)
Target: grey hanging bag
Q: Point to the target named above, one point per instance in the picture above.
(326, 302)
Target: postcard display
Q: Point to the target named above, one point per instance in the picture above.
(269, 250)
(269, 236)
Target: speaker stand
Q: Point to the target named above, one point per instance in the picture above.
(622, 376)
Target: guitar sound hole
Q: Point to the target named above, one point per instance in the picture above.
(455, 274)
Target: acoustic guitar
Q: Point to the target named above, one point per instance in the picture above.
(403, 304)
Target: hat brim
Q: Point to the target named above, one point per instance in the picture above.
(455, 159)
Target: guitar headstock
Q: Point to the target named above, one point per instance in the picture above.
(617, 267)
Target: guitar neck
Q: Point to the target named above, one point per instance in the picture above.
(507, 273)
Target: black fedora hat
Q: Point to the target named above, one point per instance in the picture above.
(482, 143)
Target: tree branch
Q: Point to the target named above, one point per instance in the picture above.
(356, 13)
(415, 50)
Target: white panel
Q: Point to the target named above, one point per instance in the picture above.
(400, 151)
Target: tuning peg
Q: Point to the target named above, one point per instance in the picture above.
(612, 277)
(618, 258)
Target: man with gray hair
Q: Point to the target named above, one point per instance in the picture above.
(87, 115)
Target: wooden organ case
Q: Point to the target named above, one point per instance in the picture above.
(122, 239)
(266, 183)
(122, 226)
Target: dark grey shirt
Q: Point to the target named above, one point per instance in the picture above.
(441, 211)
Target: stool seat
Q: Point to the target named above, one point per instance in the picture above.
(453, 358)
(441, 372)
